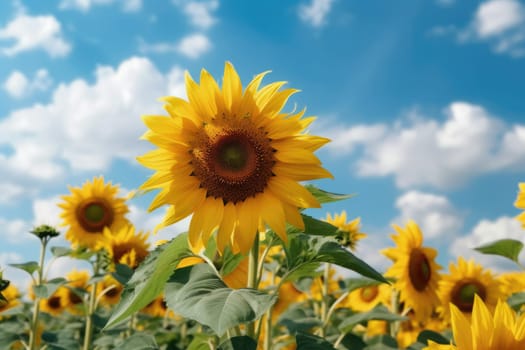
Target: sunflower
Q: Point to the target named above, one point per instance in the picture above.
(464, 281)
(348, 233)
(125, 246)
(91, 208)
(232, 159)
(71, 293)
(520, 203)
(111, 289)
(54, 305)
(158, 308)
(368, 297)
(12, 297)
(415, 270)
(487, 330)
(512, 282)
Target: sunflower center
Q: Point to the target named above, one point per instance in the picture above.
(369, 293)
(114, 292)
(419, 270)
(233, 164)
(54, 302)
(95, 214)
(463, 293)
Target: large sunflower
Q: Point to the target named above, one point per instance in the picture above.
(91, 208)
(487, 330)
(415, 270)
(232, 159)
(520, 203)
(463, 282)
(348, 233)
(125, 246)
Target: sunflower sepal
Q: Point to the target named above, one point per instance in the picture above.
(149, 278)
(197, 292)
(507, 248)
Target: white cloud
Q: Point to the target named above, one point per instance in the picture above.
(500, 23)
(145, 221)
(15, 231)
(32, 33)
(192, 46)
(86, 5)
(60, 267)
(199, 13)
(423, 151)
(316, 12)
(17, 277)
(86, 125)
(17, 85)
(47, 212)
(484, 232)
(434, 214)
(9, 192)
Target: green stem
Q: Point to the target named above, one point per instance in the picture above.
(253, 258)
(394, 326)
(36, 307)
(324, 299)
(268, 334)
(88, 333)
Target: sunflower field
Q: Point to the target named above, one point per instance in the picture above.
(253, 271)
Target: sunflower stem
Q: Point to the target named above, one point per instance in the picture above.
(253, 258)
(36, 307)
(324, 299)
(394, 326)
(88, 333)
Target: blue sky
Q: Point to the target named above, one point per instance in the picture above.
(423, 101)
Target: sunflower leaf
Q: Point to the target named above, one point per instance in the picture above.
(196, 292)
(29, 267)
(378, 313)
(326, 197)
(307, 250)
(307, 341)
(507, 248)
(316, 227)
(149, 279)
(239, 343)
(516, 300)
(139, 341)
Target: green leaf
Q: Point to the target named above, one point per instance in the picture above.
(201, 341)
(312, 342)
(196, 292)
(516, 300)
(378, 313)
(47, 289)
(122, 273)
(299, 319)
(317, 227)
(138, 341)
(150, 277)
(426, 335)
(326, 197)
(352, 284)
(28, 267)
(61, 251)
(306, 250)
(353, 342)
(239, 343)
(507, 248)
(382, 342)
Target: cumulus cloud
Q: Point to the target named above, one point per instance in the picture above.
(9, 192)
(145, 221)
(17, 85)
(435, 214)
(14, 229)
(501, 23)
(26, 33)
(192, 46)
(86, 5)
(315, 12)
(422, 151)
(86, 125)
(199, 13)
(484, 232)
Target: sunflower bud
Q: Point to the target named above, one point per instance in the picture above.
(45, 232)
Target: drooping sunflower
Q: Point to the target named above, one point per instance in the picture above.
(233, 159)
(415, 270)
(486, 330)
(348, 231)
(368, 297)
(91, 208)
(125, 246)
(464, 281)
(520, 203)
